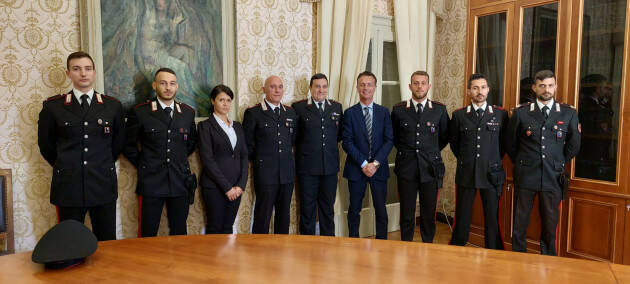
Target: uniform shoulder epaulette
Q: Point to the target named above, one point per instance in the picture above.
(256, 105)
(438, 103)
(332, 101)
(110, 97)
(498, 107)
(287, 106)
(567, 105)
(187, 106)
(141, 104)
(300, 101)
(523, 105)
(55, 97)
(460, 108)
(403, 103)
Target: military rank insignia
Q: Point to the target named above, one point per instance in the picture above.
(559, 134)
(185, 137)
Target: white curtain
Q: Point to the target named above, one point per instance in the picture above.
(414, 30)
(343, 37)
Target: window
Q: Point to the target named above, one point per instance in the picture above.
(382, 60)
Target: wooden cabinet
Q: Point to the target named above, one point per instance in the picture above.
(584, 43)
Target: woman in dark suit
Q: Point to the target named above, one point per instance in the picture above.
(223, 153)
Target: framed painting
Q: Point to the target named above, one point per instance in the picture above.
(131, 39)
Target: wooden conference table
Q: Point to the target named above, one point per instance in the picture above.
(307, 259)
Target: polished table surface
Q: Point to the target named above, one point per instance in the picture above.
(307, 259)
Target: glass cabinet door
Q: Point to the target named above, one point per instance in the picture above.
(538, 46)
(601, 73)
(490, 54)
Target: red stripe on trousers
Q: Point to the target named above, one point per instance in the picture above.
(557, 226)
(454, 214)
(499, 220)
(139, 216)
(57, 208)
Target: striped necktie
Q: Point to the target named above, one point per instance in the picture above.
(368, 125)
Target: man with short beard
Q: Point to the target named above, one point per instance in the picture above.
(477, 133)
(420, 133)
(161, 134)
(542, 138)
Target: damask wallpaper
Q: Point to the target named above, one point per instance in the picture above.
(36, 36)
(448, 87)
(273, 37)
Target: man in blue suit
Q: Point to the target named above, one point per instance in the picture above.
(367, 138)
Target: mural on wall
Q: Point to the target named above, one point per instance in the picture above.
(184, 35)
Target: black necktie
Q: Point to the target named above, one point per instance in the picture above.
(419, 109)
(479, 112)
(276, 111)
(320, 106)
(545, 113)
(84, 104)
(168, 112)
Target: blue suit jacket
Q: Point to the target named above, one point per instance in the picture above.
(356, 144)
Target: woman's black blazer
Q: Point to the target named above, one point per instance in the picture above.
(223, 167)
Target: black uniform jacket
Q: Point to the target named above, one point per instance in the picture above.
(81, 150)
(318, 137)
(419, 140)
(270, 141)
(478, 145)
(541, 148)
(223, 167)
(159, 147)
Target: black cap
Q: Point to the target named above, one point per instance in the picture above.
(66, 244)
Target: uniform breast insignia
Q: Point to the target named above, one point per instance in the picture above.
(181, 130)
(528, 132)
(560, 122)
(559, 134)
(289, 124)
(185, 137)
(106, 130)
(555, 127)
(99, 121)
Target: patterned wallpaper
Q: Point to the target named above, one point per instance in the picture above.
(273, 37)
(448, 87)
(383, 7)
(35, 38)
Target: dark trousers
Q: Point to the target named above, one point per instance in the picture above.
(220, 211)
(409, 190)
(549, 203)
(103, 218)
(151, 213)
(379, 195)
(464, 201)
(317, 198)
(268, 197)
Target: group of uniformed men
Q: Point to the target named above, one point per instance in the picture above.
(82, 133)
